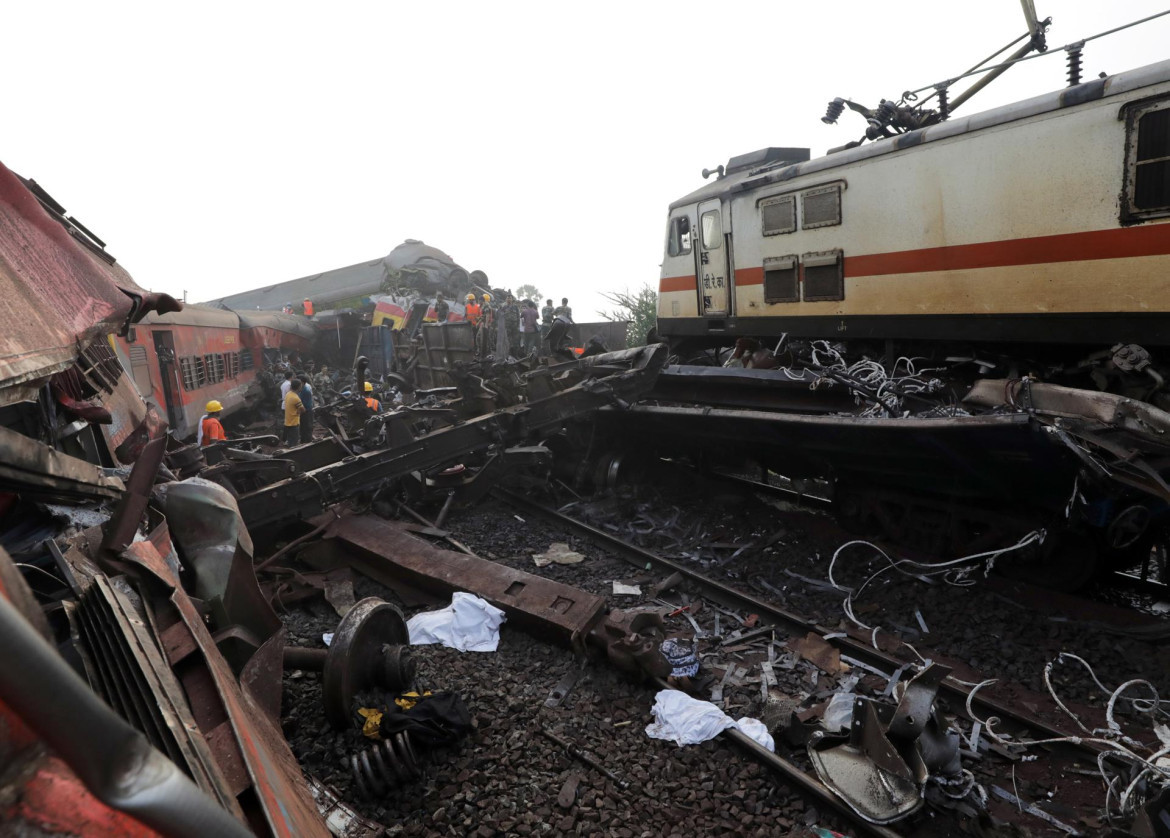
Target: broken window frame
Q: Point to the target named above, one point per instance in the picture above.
(1133, 113)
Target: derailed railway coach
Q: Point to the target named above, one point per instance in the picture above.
(1028, 238)
(181, 360)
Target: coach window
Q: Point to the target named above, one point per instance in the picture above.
(820, 207)
(778, 215)
(680, 236)
(712, 230)
(1147, 171)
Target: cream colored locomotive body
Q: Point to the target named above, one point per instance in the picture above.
(1047, 220)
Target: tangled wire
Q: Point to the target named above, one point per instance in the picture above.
(872, 382)
(1132, 771)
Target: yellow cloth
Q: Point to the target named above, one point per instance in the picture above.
(408, 700)
(292, 410)
(372, 729)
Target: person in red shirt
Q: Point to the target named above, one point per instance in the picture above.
(210, 428)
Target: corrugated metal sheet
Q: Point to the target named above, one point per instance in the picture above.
(360, 280)
(55, 297)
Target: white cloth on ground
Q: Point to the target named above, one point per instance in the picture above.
(469, 624)
(684, 720)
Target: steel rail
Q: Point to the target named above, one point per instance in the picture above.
(732, 598)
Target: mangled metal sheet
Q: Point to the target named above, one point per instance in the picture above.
(530, 600)
(56, 296)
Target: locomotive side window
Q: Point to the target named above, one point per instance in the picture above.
(821, 207)
(1147, 171)
(824, 276)
(781, 283)
(680, 236)
(712, 229)
(778, 215)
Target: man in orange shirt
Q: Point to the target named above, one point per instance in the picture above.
(293, 408)
(471, 311)
(210, 428)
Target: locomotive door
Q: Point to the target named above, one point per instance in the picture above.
(711, 254)
(164, 348)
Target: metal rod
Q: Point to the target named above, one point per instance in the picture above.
(296, 543)
(991, 76)
(115, 761)
(300, 657)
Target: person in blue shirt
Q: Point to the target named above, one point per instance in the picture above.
(307, 416)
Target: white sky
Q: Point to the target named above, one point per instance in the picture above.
(218, 147)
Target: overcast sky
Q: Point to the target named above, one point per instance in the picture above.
(218, 147)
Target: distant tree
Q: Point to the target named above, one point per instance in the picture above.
(640, 308)
(528, 292)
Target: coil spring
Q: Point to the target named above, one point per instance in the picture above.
(1074, 66)
(385, 766)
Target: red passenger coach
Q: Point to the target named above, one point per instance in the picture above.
(183, 360)
(180, 361)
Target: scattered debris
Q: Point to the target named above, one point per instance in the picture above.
(558, 553)
(622, 589)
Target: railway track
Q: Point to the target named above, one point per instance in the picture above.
(789, 622)
(1018, 722)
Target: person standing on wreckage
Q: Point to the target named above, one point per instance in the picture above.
(293, 408)
(307, 414)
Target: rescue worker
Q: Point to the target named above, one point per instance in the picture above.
(511, 314)
(487, 326)
(372, 403)
(472, 312)
(293, 408)
(531, 331)
(442, 310)
(210, 428)
(284, 386)
(308, 307)
(558, 338)
(547, 313)
(564, 308)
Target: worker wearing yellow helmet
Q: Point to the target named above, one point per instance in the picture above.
(210, 428)
(372, 403)
(471, 311)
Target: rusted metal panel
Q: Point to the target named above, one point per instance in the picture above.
(55, 296)
(529, 600)
(277, 784)
(34, 468)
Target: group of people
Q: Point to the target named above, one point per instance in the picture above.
(525, 329)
